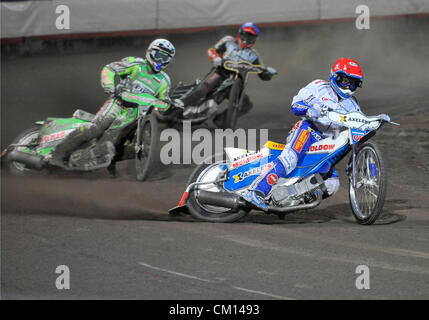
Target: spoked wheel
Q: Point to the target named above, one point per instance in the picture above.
(145, 158)
(208, 173)
(233, 105)
(28, 137)
(368, 196)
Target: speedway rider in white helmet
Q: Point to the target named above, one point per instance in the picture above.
(141, 82)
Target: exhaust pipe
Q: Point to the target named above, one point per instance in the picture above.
(30, 160)
(235, 202)
(221, 199)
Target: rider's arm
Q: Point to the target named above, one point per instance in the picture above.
(266, 75)
(219, 49)
(127, 66)
(302, 102)
(145, 99)
(142, 99)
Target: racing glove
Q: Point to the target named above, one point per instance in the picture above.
(178, 103)
(271, 71)
(313, 112)
(217, 61)
(109, 90)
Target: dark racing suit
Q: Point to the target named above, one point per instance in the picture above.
(144, 87)
(227, 48)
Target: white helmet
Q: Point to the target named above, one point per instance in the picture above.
(160, 53)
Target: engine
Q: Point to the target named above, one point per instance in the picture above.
(284, 195)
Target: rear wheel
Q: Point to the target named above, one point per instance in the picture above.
(207, 173)
(28, 137)
(368, 196)
(146, 157)
(233, 105)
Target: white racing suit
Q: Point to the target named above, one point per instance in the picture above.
(314, 96)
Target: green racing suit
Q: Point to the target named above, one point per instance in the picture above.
(138, 86)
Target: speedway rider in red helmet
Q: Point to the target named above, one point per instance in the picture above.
(230, 48)
(336, 94)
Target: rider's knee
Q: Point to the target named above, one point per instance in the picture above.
(289, 159)
(332, 185)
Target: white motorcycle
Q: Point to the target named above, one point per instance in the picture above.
(215, 190)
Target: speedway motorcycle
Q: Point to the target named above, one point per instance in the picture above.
(132, 135)
(216, 186)
(209, 110)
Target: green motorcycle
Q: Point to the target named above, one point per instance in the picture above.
(132, 135)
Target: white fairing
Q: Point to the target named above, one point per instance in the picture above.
(355, 120)
(240, 157)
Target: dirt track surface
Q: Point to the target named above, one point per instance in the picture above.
(118, 239)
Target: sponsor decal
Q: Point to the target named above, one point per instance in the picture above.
(352, 64)
(246, 158)
(52, 137)
(322, 147)
(309, 99)
(254, 171)
(272, 179)
(297, 125)
(348, 119)
(357, 137)
(313, 132)
(275, 146)
(301, 140)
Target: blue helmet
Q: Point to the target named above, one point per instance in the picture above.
(247, 35)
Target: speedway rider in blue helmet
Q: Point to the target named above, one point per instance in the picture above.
(230, 48)
(337, 94)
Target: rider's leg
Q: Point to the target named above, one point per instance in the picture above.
(98, 125)
(211, 82)
(297, 144)
(246, 106)
(332, 184)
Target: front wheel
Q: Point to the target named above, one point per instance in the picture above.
(368, 196)
(208, 173)
(233, 105)
(146, 157)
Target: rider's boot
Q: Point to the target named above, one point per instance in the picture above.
(63, 150)
(262, 186)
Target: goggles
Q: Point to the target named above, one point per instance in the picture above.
(161, 56)
(345, 81)
(248, 38)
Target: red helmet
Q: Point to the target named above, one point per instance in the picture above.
(247, 35)
(346, 76)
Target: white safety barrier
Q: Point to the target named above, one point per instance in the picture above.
(45, 17)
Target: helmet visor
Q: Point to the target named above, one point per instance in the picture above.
(248, 38)
(161, 56)
(346, 82)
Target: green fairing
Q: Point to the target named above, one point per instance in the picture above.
(45, 151)
(53, 125)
